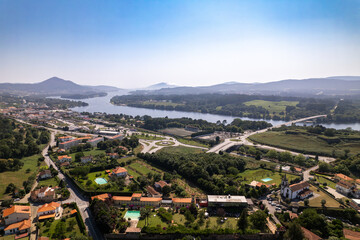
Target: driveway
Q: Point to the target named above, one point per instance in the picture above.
(335, 193)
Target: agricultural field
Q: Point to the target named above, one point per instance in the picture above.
(18, 177)
(258, 174)
(191, 142)
(54, 181)
(181, 132)
(149, 137)
(305, 143)
(322, 180)
(92, 152)
(274, 108)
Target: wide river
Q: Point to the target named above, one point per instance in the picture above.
(102, 104)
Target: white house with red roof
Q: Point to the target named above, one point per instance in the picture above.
(298, 190)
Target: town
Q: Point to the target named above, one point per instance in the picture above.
(108, 180)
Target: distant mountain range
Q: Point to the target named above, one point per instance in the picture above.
(160, 86)
(341, 85)
(53, 86)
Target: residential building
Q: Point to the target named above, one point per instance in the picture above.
(45, 174)
(67, 145)
(152, 192)
(18, 227)
(160, 184)
(44, 194)
(65, 138)
(298, 190)
(86, 159)
(16, 213)
(136, 200)
(344, 187)
(95, 141)
(64, 158)
(48, 210)
(226, 201)
(119, 172)
(342, 177)
(118, 136)
(102, 197)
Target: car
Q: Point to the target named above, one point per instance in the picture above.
(278, 209)
(273, 204)
(17, 199)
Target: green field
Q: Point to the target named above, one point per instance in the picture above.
(177, 132)
(179, 219)
(316, 202)
(274, 108)
(141, 168)
(304, 143)
(18, 177)
(54, 181)
(249, 175)
(322, 180)
(181, 149)
(149, 137)
(165, 143)
(191, 142)
(49, 231)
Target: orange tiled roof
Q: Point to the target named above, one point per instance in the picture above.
(101, 197)
(121, 198)
(150, 199)
(63, 156)
(182, 200)
(344, 177)
(358, 181)
(16, 209)
(73, 211)
(48, 207)
(136, 195)
(119, 170)
(25, 224)
(46, 216)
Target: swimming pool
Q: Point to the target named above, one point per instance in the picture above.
(266, 179)
(101, 181)
(134, 215)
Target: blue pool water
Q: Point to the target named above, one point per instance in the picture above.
(134, 215)
(100, 181)
(266, 179)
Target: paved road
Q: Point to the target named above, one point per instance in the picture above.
(75, 195)
(242, 140)
(150, 146)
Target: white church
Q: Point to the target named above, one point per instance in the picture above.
(295, 191)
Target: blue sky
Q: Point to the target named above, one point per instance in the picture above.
(137, 43)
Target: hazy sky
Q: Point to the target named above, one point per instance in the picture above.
(138, 43)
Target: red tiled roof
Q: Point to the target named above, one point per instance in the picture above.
(16, 209)
(345, 184)
(181, 200)
(298, 186)
(344, 177)
(101, 197)
(49, 207)
(351, 235)
(25, 224)
(150, 199)
(119, 170)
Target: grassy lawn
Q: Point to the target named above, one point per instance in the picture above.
(177, 132)
(274, 108)
(49, 231)
(50, 182)
(92, 176)
(181, 149)
(303, 143)
(179, 219)
(138, 149)
(191, 142)
(258, 174)
(149, 137)
(144, 170)
(316, 202)
(322, 180)
(165, 143)
(18, 177)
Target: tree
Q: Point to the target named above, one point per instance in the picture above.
(258, 219)
(78, 156)
(323, 202)
(272, 154)
(145, 214)
(294, 232)
(306, 202)
(166, 190)
(243, 222)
